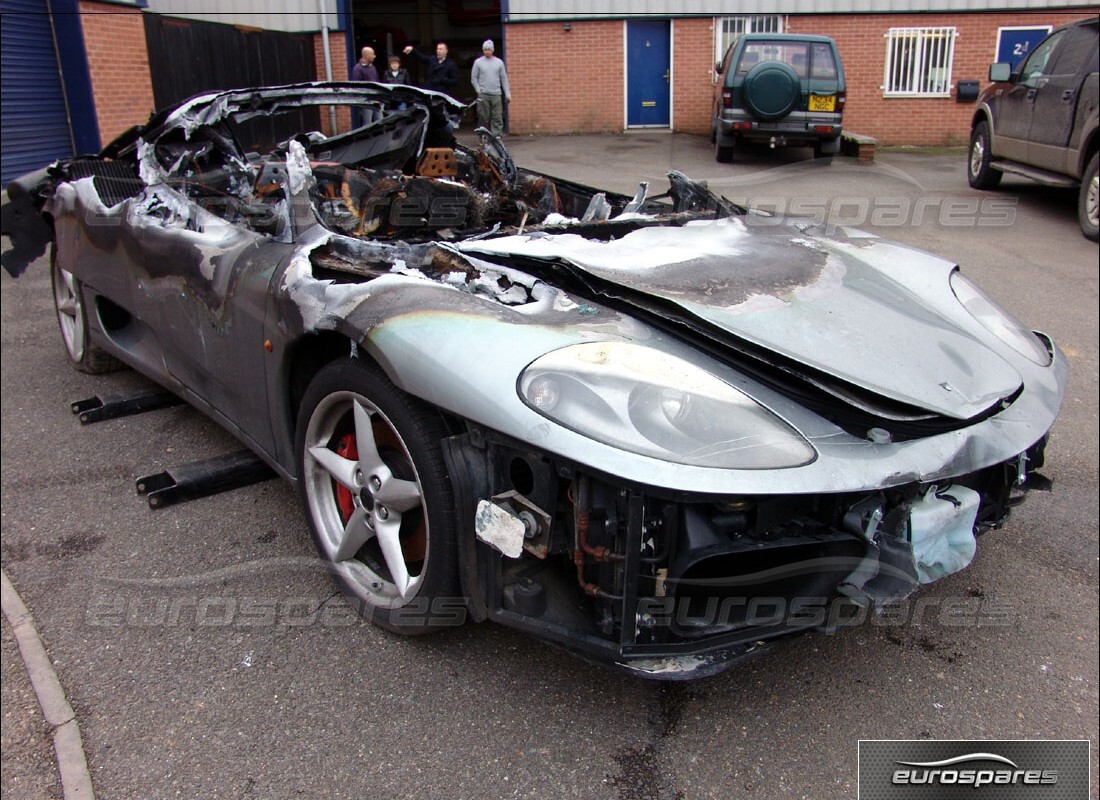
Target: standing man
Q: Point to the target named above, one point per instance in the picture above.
(364, 69)
(491, 84)
(442, 72)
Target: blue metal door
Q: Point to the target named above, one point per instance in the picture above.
(648, 74)
(35, 123)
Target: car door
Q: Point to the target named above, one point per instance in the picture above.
(1016, 105)
(1056, 97)
(202, 283)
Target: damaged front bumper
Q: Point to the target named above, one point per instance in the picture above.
(674, 586)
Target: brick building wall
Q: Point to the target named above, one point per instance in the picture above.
(572, 82)
(565, 81)
(118, 62)
(338, 55)
(693, 66)
(905, 120)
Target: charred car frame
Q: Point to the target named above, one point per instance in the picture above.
(620, 423)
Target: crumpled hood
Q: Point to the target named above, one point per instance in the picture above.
(801, 297)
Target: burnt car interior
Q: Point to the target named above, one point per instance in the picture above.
(401, 176)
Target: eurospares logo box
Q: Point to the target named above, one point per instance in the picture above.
(975, 770)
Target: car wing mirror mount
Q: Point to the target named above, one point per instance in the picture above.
(1000, 72)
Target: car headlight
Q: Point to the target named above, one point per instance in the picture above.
(650, 403)
(998, 321)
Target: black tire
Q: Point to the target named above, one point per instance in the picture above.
(392, 509)
(978, 172)
(1088, 200)
(820, 156)
(723, 152)
(771, 90)
(72, 319)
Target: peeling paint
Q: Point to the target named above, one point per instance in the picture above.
(498, 528)
(299, 176)
(149, 169)
(323, 304)
(667, 665)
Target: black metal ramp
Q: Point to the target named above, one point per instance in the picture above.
(203, 479)
(112, 406)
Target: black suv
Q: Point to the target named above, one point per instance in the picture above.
(1039, 120)
(784, 89)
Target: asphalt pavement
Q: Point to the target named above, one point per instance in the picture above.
(205, 652)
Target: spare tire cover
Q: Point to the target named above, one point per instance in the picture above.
(771, 90)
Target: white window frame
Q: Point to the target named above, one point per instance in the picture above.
(923, 69)
(729, 29)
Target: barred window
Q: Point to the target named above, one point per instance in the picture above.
(918, 62)
(730, 29)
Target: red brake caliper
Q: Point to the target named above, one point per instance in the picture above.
(346, 449)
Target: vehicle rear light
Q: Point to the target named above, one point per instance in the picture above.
(840, 98)
(742, 126)
(824, 128)
(727, 98)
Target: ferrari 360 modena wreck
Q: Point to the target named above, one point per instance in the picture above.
(644, 428)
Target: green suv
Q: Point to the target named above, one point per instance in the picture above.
(784, 89)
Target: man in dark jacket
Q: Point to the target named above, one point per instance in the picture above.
(364, 69)
(442, 72)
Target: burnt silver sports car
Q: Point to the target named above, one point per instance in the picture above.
(648, 429)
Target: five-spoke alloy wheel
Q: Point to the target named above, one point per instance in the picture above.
(379, 502)
(73, 321)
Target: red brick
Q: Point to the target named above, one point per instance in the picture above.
(118, 62)
(564, 82)
(916, 121)
(573, 82)
(339, 59)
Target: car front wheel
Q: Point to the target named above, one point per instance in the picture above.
(72, 319)
(377, 497)
(1088, 201)
(978, 172)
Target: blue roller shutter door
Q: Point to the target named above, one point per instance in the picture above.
(34, 123)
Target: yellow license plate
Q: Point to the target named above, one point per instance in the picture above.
(821, 102)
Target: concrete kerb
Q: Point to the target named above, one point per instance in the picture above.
(858, 146)
(76, 781)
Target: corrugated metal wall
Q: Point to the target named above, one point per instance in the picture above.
(34, 122)
(272, 15)
(535, 10)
